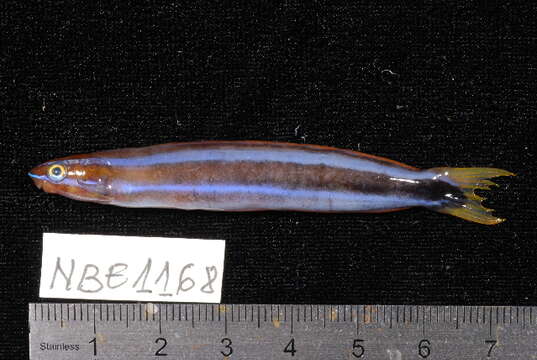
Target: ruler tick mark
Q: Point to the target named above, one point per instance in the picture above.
(160, 321)
(471, 307)
(490, 321)
(357, 320)
(94, 326)
(291, 319)
(423, 322)
(225, 319)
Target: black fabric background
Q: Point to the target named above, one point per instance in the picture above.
(450, 84)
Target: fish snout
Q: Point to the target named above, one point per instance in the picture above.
(38, 175)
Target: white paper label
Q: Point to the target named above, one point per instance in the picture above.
(132, 268)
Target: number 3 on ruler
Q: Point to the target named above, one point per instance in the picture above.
(227, 344)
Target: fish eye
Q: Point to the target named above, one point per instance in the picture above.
(57, 172)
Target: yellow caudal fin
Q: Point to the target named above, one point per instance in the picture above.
(468, 180)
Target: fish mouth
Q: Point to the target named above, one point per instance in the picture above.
(38, 175)
(38, 181)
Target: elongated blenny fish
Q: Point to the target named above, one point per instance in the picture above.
(257, 175)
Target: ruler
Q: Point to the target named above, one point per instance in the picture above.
(212, 331)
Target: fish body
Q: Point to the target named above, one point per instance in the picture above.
(255, 175)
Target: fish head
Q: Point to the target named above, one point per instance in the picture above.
(86, 179)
